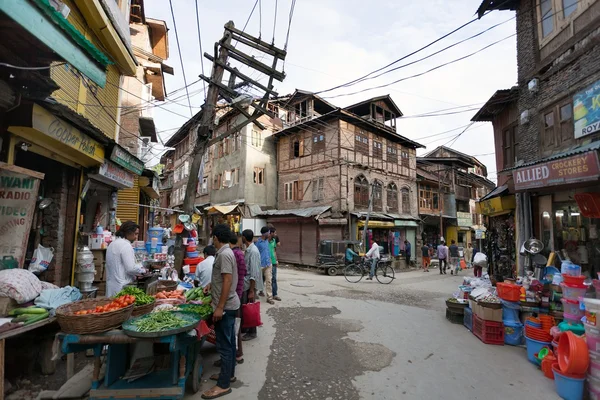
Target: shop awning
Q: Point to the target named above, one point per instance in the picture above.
(223, 209)
(299, 212)
(377, 224)
(496, 205)
(405, 223)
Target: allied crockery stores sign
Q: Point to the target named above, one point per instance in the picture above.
(579, 168)
(121, 157)
(586, 110)
(18, 195)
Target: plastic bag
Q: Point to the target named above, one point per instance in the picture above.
(238, 322)
(251, 315)
(42, 257)
(463, 264)
(480, 259)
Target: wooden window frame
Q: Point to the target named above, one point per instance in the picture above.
(293, 191)
(392, 197)
(301, 147)
(560, 22)
(256, 138)
(405, 158)
(318, 142)
(405, 201)
(359, 142)
(377, 195)
(317, 186)
(361, 191)
(392, 153)
(562, 131)
(510, 145)
(259, 176)
(377, 149)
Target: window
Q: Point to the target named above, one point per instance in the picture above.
(293, 191)
(226, 149)
(547, 16)
(220, 150)
(317, 189)
(204, 187)
(361, 142)
(405, 201)
(361, 191)
(216, 182)
(297, 147)
(510, 146)
(318, 142)
(377, 196)
(392, 153)
(377, 149)
(569, 7)
(392, 197)
(558, 126)
(256, 138)
(405, 158)
(186, 169)
(259, 176)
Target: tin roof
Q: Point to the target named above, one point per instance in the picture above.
(299, 212)
(571, 152)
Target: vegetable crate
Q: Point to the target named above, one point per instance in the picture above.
(468, 319)
(489, 332)
(453, 316)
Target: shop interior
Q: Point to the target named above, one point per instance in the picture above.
(96, 208)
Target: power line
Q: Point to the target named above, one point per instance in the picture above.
(287, 35)
(259, 19)
(274, 23)
(180, 56)
(200, 43)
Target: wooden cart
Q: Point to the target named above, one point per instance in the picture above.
(184, 369)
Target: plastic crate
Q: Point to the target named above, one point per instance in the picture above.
(453, 316)
(489, 332)
(468, 319)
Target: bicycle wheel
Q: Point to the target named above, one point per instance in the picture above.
(384, 274)
(353, 273)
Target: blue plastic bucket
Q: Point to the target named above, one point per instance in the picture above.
(568, 387)
(192, 254)
(155, 232)
(510, 311)
(513, 333)
(533, 347)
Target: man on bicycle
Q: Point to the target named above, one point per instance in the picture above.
(374, 255)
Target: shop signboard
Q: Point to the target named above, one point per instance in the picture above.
(586, 110)
(464, 219)
(578, 168)
(114, 175)
(18, 196)
(123, 158)
(479, 234)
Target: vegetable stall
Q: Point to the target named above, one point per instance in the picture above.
(152, 342)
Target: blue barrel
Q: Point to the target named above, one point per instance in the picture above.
(510, 311)
(513, 333)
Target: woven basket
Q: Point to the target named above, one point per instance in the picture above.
(166, 285)
(142, 310)
(90, 323)
(493, 306)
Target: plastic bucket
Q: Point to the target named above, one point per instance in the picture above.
(592, 307)
(155, 232)
(568, 387)
(573, 355)
(513, 333)
(192, 254)
(592, 337)
(573, 292)
(533, 347)
(572, 307)
(510, 311)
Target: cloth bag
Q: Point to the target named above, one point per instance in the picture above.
(42, 257)
(251, 315)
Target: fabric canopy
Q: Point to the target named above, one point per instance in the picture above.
(223, 209)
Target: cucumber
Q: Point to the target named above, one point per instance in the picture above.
(36, 318)
(29, 310)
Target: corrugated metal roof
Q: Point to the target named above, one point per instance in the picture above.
(567, 153)
(374, 215)
(495, 193)
(299, 212)
(405, 217)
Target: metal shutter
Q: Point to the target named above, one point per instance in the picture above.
(127, 200)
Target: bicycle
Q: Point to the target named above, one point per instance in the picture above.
(383, 271)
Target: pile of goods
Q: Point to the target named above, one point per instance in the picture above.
(160, 321)
(28, 315)
(455, 310)
(117, 304)
(172, 296)
(141, 298)
(197, 295)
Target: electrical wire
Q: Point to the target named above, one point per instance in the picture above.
(200, 43)
(180, 56)
(274, 23)
(287, 35)
(7, 65)
(259, 19)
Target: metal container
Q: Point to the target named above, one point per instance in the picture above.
(85, 259)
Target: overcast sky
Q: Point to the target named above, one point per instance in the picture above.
(334, 41)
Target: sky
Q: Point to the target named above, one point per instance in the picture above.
(335, 41)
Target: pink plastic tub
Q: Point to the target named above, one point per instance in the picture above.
(572, 307)
(592, 337)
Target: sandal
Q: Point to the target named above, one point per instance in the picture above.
(215, 377)
(212, 394)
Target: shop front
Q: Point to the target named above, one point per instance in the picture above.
(566, 208)
(230, 214)
(390, 231)
(128, 198)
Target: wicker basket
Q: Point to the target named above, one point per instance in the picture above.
(90, 323)
(166, 286)
(493, 306)
(142, 310)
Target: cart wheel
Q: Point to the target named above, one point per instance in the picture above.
(193, 381)
(332, 271)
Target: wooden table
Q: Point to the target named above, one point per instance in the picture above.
(13, 333)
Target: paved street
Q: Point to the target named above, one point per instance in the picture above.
(329, 339)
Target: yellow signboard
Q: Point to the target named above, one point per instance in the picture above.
(496, 205)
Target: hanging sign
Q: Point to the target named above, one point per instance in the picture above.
(586, 110)
(18, 196)
(126, 160)
(113, 175)
(579, 168)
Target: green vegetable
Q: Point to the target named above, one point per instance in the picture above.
(160, 321)
(203, 310)
(27, 310)
(194, 294)
(36, 318)
(141, 298)
(20, 318)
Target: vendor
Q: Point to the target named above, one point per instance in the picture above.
(121, 265)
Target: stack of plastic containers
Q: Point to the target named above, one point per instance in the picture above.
(513, 328)
(592, 337)
(573, 290)
(192, 256)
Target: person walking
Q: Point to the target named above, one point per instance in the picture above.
(241, 268)
(374, 255)
(265, 261)
(121, 265)
(442, 253)
(469, 255)
(454, 258)
(273, 243)
(426, 257)
(407, 252)
(225, 303)
(253, 278)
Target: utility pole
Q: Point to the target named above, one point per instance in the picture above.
(440, 205)
(366, 228)
(206, 125)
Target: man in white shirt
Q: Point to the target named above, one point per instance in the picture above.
(374, 255)
(121, 265)
(204, 269)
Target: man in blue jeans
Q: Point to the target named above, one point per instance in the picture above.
(374, 255)
(273, 243)
(225, 303)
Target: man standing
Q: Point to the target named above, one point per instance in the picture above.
(241, 268)
(442, 252)
(469, 255)
(374, 255)
(204, 269)
(225, 303)
(273, 242)
(252, 279)
(407, 252)
(265, 261)
(454, 257)
(425, 256)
